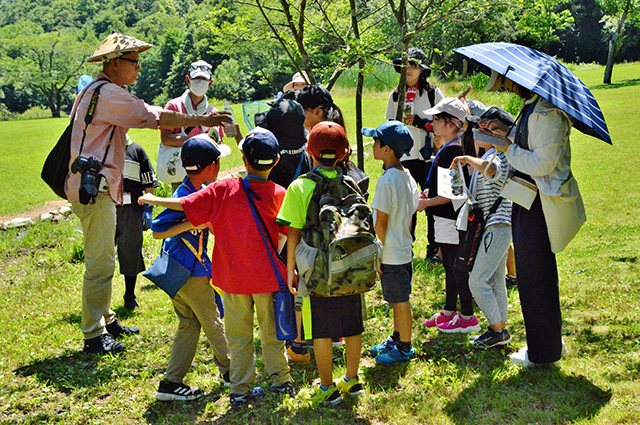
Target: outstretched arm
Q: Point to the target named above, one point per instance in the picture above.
(171, 203)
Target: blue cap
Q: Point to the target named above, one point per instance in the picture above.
(260, 147)
(200, 151)
(392, 133)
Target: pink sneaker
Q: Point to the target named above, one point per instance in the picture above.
(438, 319)
(458, 324)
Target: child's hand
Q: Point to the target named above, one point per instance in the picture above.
(461, 159)
(422, 204)
(292, 282)
(408, 120)
(424, 194)
(147, 198)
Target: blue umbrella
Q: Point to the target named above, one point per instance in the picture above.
(545, 76)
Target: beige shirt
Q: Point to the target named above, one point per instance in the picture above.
(116, 107)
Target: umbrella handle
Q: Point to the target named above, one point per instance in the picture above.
(465, 92)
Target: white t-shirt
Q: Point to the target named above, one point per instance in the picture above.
(396, 195)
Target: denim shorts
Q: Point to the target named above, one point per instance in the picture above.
(396, 282)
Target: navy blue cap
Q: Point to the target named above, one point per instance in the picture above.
(260, 147)
(200, 151)
(392, 133)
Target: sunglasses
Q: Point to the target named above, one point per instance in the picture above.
(137, 62)
(199, 67)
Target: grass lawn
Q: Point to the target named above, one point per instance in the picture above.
(46, 378)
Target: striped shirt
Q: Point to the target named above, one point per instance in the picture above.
(488, 190)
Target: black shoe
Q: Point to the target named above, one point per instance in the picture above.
(173, 391)
(492, 338)
(130, 302)
(286, 388)
(103, 344)
(511, 281)
(117, 329)
(239, 400)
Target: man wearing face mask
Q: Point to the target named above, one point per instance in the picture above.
(193, 102)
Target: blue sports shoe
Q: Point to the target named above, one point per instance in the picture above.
(386, 346)
(394, 356)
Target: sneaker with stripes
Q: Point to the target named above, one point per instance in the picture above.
(173, 391)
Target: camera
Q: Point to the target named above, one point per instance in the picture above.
(89, 180)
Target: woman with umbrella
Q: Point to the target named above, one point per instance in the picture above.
(554, 100)
(540, 154)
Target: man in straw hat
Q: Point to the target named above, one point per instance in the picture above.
(98, 151)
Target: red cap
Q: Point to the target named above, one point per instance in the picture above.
(327, 140)
(429, 126)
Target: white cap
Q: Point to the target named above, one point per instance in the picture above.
(450, 105)
(200, 69)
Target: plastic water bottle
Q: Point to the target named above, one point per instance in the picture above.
(229, 128)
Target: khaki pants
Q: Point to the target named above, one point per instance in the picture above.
(238, 320)
(195, 306)
(99, 228)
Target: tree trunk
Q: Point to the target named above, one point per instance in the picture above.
(613, 43)
(359, 90)
(610, 56)
(402, 85)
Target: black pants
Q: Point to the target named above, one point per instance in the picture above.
(537, 283)
(457, 283)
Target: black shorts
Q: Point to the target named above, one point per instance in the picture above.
(336, 317)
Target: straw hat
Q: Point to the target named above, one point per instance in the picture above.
(116, 45)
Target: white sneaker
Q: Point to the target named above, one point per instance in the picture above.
(521, 358)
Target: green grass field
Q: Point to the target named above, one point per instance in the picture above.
(46, 378)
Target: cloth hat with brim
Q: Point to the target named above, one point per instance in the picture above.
(285, 120)
(298, 77)
(260, 147)
(392, 133)
(493, 113)
(311, 97)
(416, 57)
(116, 45)
(200, 69)
(200, 151)
(328, 140)
(450, 105)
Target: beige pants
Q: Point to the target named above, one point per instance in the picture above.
(195, 306)
(238, 319)
(99, 228)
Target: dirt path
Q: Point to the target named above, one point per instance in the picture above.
(55, 205)
(36, 213)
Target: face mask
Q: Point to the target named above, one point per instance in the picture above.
(199, 87)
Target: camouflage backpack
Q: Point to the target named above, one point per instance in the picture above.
(339, 224)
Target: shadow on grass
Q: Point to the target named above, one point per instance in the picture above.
(532, 396)
(68, 372)
(623, 83)
(273, 409)
(625, 259)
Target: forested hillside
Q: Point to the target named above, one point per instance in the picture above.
(43, 44)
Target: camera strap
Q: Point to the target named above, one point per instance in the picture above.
(89, 118)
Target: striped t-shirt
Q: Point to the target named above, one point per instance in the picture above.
(488, 190)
